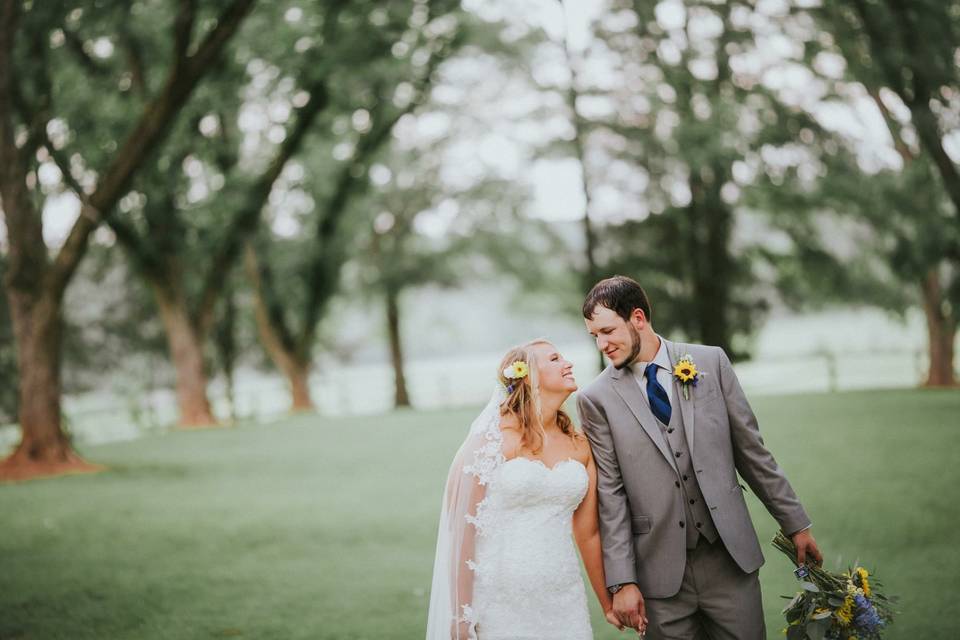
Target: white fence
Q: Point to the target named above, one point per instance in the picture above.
(448, 383)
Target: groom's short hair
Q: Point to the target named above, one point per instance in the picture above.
(620, 294)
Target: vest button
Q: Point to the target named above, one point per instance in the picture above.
(670, 430)
(681, 524)
(699, 525)
(677, 483)
(692, 501)
(679, 453)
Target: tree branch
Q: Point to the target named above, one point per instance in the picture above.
(247, 219)
(138, 77)
(144, 138)
(183, 31)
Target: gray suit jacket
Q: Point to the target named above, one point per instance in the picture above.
(640, 502)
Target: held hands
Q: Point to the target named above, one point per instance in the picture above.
(461, 630)
(628, 610)
(613, 619)
(806, 548)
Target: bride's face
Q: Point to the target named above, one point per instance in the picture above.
(555, 373)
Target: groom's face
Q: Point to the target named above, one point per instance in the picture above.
(616, 338)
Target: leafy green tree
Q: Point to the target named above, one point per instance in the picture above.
(32, 105)
(903, 55)
(484, 236)
(401, 58)
(185, 245)
(684, 131)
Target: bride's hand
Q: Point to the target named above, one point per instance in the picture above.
(460, 630)
(613, 619)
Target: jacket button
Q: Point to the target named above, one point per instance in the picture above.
(699, 525)
(691, 502)
(677, 483)
(681, 524)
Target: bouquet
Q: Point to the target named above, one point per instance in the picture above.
(834, 606)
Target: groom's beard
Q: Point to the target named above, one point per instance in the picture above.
(634, 349)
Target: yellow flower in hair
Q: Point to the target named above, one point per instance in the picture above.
(685, 371)
(516, 370)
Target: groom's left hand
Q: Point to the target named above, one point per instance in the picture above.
(806, 547)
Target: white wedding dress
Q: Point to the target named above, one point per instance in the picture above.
(528, 582)
(506, 567)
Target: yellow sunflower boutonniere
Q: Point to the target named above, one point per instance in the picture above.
(687, 374)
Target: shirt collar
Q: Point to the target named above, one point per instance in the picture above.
(661, 359)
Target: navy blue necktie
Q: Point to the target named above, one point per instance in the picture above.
(659, 400)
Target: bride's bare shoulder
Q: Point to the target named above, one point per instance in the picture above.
(582, 448)
(510, 428)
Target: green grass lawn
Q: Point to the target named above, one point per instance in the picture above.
(324, 528)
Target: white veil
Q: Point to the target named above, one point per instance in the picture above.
(451, 615)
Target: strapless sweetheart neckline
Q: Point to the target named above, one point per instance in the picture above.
(543, 464)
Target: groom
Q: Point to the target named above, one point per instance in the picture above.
(679, 548)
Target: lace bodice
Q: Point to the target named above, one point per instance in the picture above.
(528, 581)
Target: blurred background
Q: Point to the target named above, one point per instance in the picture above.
(221, 211)
(224, 212)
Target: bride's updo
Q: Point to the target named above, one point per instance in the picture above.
(523, 398)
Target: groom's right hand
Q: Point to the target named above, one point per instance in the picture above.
(629, 606)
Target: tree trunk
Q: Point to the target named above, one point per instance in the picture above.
(299, 378)
(709, 223)
(941, 332)
(44, 448)
(35, 307)
(592, 273)
(401, 397)
(226, 343)
(275, 337)
(186, 353)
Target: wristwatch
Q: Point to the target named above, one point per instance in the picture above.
(613, 590)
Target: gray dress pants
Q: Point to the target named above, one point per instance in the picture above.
(716, 601)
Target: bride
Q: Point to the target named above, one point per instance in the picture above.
(521, 488)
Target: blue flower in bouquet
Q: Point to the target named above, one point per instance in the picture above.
(867, 617)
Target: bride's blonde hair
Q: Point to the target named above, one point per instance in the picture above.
(523, 398)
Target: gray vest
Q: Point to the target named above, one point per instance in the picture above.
(698, 520)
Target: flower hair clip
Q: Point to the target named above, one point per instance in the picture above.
(516, 371)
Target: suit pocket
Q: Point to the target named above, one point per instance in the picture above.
(706, 391)
(641, 524)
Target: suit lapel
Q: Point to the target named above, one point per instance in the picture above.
(627, 388)
(686, 406)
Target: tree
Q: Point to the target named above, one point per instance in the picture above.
(679, 136)
(165, 246)
(35, 284)
(903, 56)
(485, 227)
(398, 83)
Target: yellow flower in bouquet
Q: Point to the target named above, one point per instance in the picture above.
(845, 612)
(864, 583)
